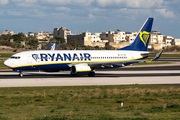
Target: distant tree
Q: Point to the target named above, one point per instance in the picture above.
(5, 42)
(32, 41)
(63, 46)
(74, 43)
(59, 40)
(97, 47)
(17, 38)
(109, 47)
(44, 45)
(21, 34)
(89, 48)
(5, 37)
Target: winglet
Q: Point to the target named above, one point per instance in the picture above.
(158, 55)
(142, 39)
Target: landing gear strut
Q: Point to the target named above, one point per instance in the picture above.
(91, 74)
(19, 71)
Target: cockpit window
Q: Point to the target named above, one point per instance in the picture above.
(15, 57)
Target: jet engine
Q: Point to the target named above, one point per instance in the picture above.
(80, 69)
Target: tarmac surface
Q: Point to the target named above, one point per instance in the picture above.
(166, 74)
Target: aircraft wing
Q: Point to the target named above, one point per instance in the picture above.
(111, 64)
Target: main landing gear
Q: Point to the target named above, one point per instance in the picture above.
(91, 74)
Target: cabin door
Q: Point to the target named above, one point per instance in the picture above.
(132, 56)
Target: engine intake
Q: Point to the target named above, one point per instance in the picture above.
(80, 69)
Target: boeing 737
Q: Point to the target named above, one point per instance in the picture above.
(84, 61)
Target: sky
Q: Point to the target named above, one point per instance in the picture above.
(95, 16)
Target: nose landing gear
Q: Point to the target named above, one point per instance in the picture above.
(20, 74)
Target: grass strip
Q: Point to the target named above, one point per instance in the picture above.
(6, 55)
(151, 63)
(166, 55)
(90, 102)
(2, 66)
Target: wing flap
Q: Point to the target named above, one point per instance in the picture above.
(120, 64)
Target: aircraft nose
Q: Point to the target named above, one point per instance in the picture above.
(7, 63)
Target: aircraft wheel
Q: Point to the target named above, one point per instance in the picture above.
(20, 74)
(73, 75)
(92, 74)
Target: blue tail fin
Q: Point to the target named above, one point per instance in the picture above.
(142, 39)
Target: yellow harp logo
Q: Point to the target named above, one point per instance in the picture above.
(144, 36)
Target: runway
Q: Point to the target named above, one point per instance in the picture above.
(102, 78)
(155, 75)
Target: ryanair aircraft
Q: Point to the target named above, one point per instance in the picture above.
(84, 61)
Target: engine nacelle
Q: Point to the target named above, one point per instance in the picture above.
(80, 69)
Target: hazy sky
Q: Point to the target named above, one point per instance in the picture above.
(89, 15)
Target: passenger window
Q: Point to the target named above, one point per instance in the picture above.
(14, 57)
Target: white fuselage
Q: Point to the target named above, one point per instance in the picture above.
(42, 58)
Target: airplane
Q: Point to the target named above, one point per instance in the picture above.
(84, 62)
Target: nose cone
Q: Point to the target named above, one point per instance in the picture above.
(7, 63)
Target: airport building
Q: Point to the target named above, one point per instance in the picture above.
(169, 40)
(117, 39)
(6, 32)
(113, 36)
(130, 36)
(83, 39)
(42, 36)
(177, 42)
(61, 32)
(86, 38)
(96, 37)
(156, 38)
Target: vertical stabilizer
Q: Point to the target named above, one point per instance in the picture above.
(142, 39)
